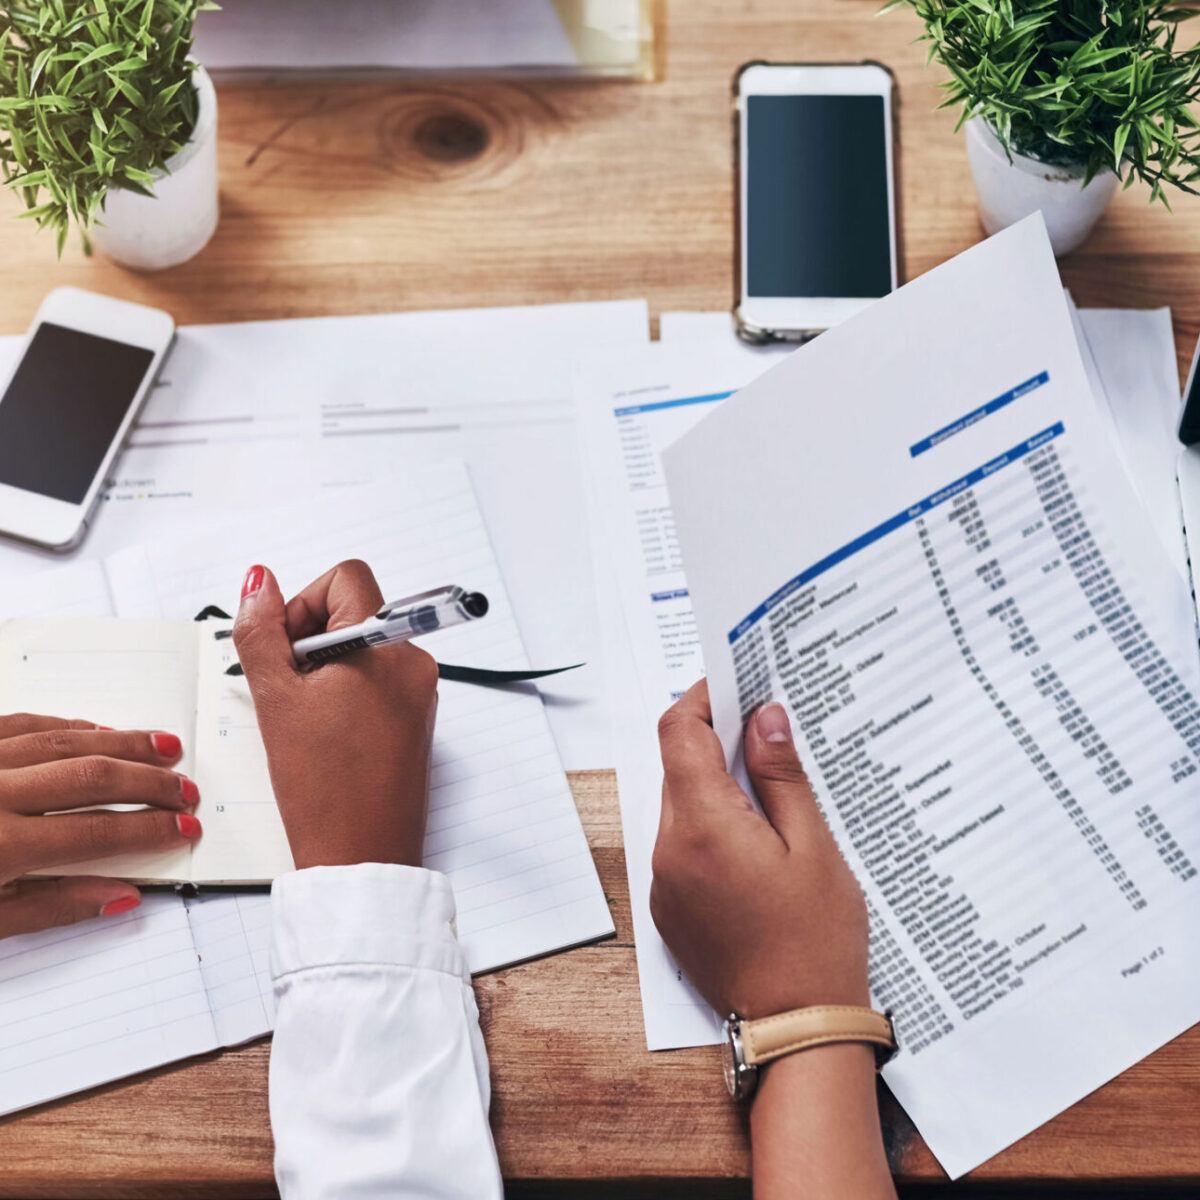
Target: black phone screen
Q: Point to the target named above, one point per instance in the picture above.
(1189, 424)
(817, 220)
(63, 408)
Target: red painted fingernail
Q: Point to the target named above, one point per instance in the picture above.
(191, 793)
(253, 582)
(105, 728)
(166, 744)
(119, 906)
(188, 825)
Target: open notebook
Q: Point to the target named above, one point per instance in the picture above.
(502, 823)
(147, 674)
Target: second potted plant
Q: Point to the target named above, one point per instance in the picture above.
(106, 122)
(1063, 99)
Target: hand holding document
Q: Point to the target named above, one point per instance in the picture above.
(915, 534)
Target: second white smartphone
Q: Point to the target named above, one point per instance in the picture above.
(816, 196)
(88, 364)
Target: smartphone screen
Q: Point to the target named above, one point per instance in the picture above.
(817, 221)
(1189, 422)
(63, 408)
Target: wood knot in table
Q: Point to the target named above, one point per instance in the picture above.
(451, 137)
(469, 136)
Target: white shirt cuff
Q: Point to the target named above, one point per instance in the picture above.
(368, 913)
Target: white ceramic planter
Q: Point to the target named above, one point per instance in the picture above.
(1009, 191)
(150, 233)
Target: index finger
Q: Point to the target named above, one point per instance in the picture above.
(346, 595)
(691, 750)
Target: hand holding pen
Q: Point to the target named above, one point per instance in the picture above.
(348, 750)
(399, 621)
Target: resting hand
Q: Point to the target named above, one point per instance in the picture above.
(762, 913)
(48, 766)
(349, 743)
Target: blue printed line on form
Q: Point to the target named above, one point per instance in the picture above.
(984, 410)
(892, 523)
(657, 404)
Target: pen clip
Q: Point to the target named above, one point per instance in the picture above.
(450, 592)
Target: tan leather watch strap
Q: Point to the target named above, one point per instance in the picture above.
(769, 1038)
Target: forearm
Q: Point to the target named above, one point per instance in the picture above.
(815, 1128)
(379, 1081)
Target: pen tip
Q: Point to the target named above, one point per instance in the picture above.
(236, 669)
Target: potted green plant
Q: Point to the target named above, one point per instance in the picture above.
(105, 122)
(1063, 98)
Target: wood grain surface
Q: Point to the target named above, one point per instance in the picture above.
(373, 197)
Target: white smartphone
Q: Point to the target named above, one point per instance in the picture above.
(816, 196)
(88, 364)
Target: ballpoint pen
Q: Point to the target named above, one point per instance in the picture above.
(398, 621)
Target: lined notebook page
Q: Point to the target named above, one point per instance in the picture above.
(232, 936)
(502, 823)
(90, 1003)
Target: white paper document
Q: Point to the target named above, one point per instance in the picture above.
(1129, 354)
(915, 534)
(492, 386)
(260, 414)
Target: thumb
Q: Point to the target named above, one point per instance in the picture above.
(31, 905)
(260, 631)
(774, 769)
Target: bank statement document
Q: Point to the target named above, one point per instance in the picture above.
(915, 534)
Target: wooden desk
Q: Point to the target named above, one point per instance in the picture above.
(368, 198)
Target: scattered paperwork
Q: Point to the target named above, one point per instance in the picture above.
(266, 413)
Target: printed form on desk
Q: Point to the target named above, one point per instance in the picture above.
(916, 535)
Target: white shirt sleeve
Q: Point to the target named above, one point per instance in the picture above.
(379, 1080)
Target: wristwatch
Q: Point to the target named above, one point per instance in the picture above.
(751, 1044)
